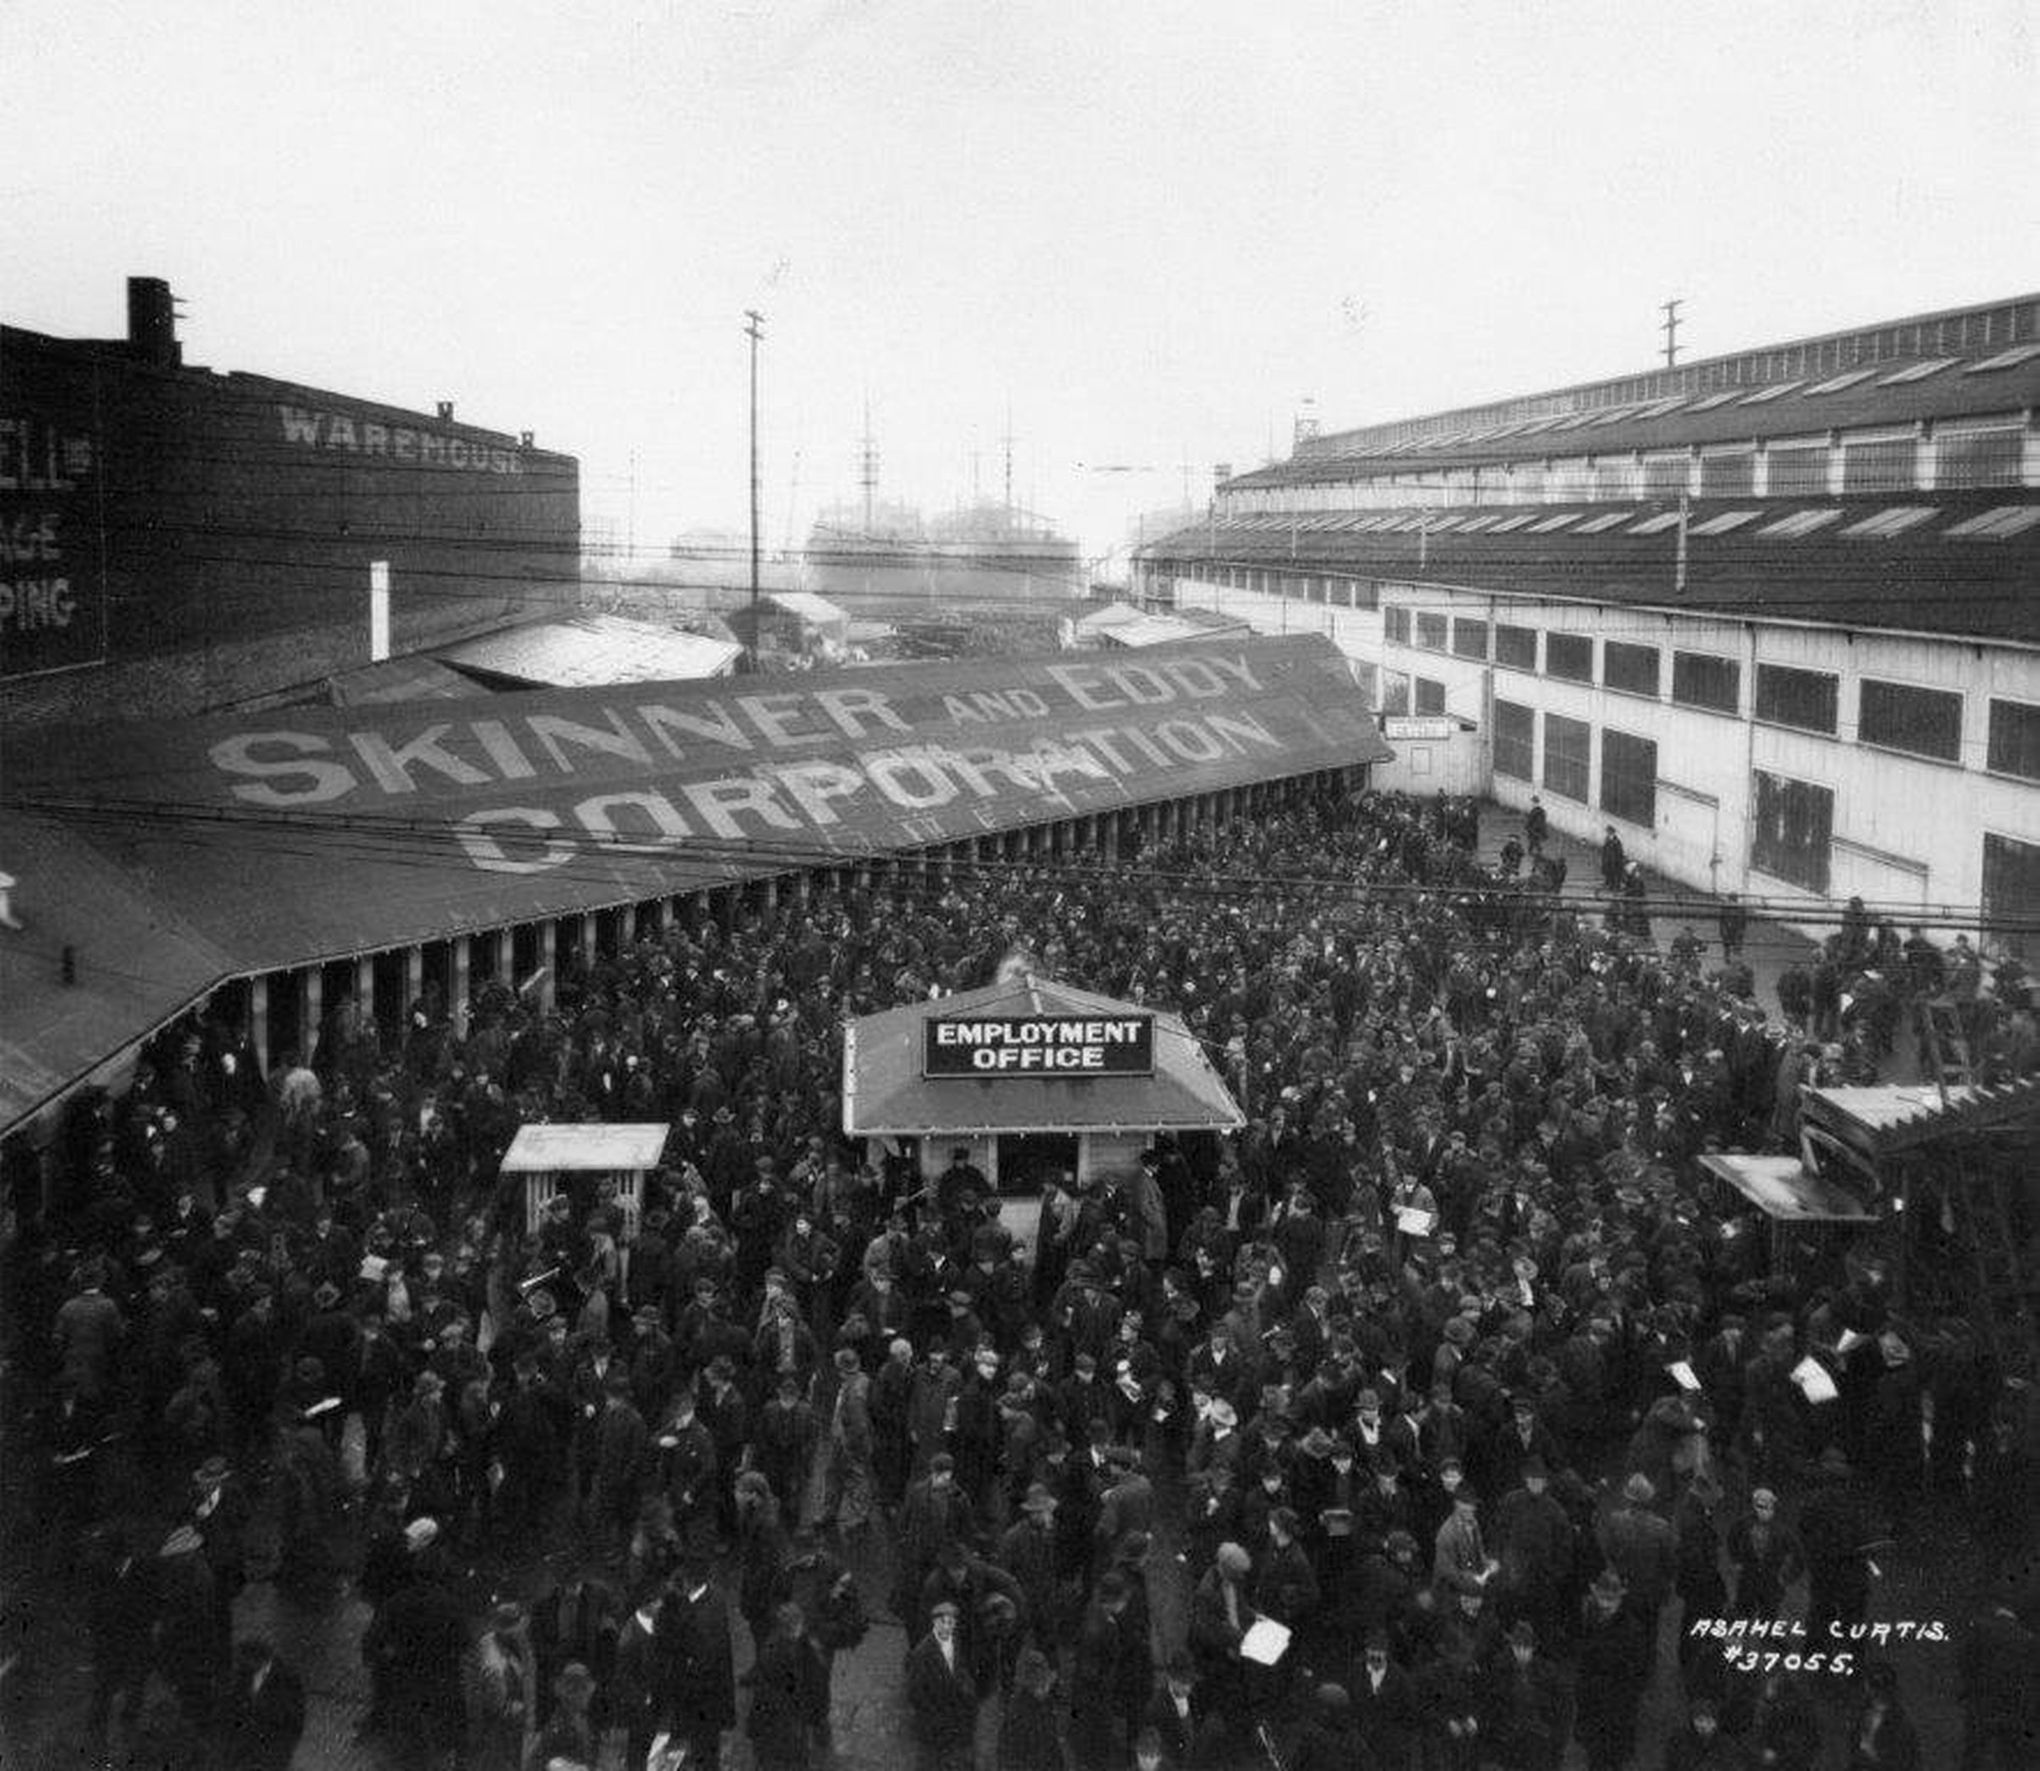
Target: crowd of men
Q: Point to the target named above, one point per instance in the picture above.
(1449, 1380)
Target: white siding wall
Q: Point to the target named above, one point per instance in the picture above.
(1908, 830)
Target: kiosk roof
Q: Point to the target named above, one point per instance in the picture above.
(885, 1093)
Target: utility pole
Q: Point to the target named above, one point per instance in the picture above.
(754, 330)
(1679, 559)
(1670, 328)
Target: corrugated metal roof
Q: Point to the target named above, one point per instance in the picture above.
(1153, 630)
(1112, 615)
(1890, 1118)
(589, 651)
(1938, 575)
(818, 611)
(884, 1092)
(1782, 409)
(1978, 342)
(399, 679)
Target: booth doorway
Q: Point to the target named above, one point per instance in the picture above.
(1027, 1160)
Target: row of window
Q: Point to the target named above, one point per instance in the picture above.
(1892, 716)
(1956, 455)
(1301, 587)
(1628, 763)
(1792, 826)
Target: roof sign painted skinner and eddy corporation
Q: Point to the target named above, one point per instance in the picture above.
(982, 1046)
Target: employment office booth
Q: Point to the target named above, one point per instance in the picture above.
(1033, 1078)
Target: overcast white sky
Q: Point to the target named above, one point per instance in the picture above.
(1149, 229)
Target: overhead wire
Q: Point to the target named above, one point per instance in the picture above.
(432, 844)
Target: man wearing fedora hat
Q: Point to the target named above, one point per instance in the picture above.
(1028, 1553)
(1526, 1700)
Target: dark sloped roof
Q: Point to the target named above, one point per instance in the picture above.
(1946, 393)
(136, 962)
(177, 854)
(1936, 575)
(1924, 366)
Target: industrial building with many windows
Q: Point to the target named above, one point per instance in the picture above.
(1772, 615)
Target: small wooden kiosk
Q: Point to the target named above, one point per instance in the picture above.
(553, 1158)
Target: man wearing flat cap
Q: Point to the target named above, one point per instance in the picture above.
(942, 1693)
(1639, 1545)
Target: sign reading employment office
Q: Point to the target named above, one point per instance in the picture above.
(983, 1046)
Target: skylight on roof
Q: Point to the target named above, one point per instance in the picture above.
(1776, 391)
(1577, 421)
(1657, 525)
(1503, 527)
(2008, 359)
(1724, 521)
(1895, 521)
(1713, 400)
(1545, 525)
(1473, 525)
(1658, 408)
(1616, 416)
(1594, 525)
(2000, 524)
(1800, 522)
(1551, 423)
(1918, 371)
(1835, 383)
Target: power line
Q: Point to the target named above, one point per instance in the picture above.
(432, 843)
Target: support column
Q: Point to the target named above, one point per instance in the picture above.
(364, 991)
(548, 960)
(414, 981)
(463, 957)
(311, 1010)
(258, 1022)
(626, 927)
(768, 894)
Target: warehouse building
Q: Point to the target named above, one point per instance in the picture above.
(173, 538)
(1775, 616)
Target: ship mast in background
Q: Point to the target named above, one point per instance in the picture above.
(867, 467)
